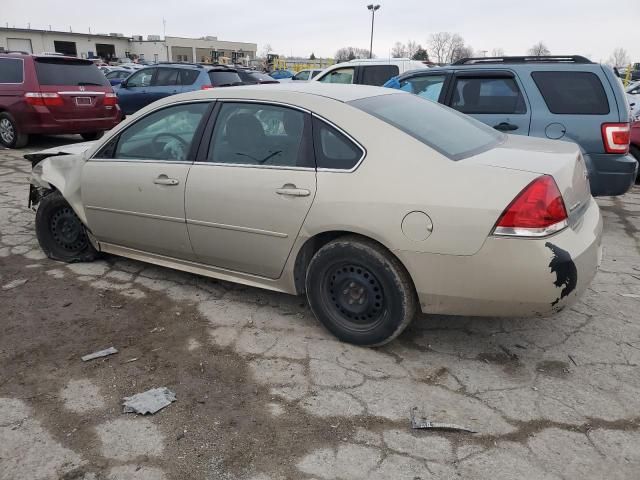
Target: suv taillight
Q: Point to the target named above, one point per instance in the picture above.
(110, 100)
(616, 137)
(537, 211)
(206, 87)
(43, 99)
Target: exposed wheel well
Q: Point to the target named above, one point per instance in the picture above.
(315, 243)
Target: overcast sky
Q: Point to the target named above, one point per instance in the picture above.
(587, 27)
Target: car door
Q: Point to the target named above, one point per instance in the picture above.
(164, 83)
(133, 188)
(133, 93)
(494, 97)
(250, 190)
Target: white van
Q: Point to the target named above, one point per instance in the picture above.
(373, 71)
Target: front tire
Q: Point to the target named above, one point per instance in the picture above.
(10, 135)
(360, 292)
(61, 234)
(90, 136)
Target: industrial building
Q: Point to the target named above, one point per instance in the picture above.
(115, 46)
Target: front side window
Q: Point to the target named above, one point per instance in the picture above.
(260, 134)
(572, 93)
(163, 135)
(333, 149)
(303, 75)
(339, 75)
(377, 75)
(166, 77)
(450, 133)
(141, 78)
(488, 95)
(11, 70)
(428, 86)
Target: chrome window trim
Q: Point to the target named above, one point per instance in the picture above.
(142, 160)
(353, 140)
(23, 75)
(248, 165)
(266, 102)
(83, 93)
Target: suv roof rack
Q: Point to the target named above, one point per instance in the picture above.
(188, 64)
(523, 59)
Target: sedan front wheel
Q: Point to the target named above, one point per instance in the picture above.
(360, 292)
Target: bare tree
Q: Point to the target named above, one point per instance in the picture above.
(464, 51)
(266, 50)
(399, 50)
(497, 52)
(539, 50)
(619, 58)
(447, 47)
(351, 53)
(412, 48)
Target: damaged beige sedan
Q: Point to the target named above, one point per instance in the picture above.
(375, 203)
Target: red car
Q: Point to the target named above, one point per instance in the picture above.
(634, 147)
(42, 94)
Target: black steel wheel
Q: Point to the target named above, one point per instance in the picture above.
(360, 292)
(61, 234)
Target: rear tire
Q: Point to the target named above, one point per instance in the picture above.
(61, 234)
(360, 292)
(635, 151)
(89, 137)
(10, 135)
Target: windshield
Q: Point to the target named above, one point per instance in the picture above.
(55, 71)
(451, 133)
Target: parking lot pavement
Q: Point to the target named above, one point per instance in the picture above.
(265, 393)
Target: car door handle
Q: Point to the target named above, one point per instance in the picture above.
(164, 180)
(293, 191)
(506, 127)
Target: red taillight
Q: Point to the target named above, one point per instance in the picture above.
(110, 100)
(206, 87)
(615, 137)
(46, 99)
(537, 211)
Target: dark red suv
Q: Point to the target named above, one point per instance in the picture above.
(53, 95)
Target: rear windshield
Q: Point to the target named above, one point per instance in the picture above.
(453, 134)
(572, 93)
(222, 78)
(261, 77)
(11, 70)
(54, 71)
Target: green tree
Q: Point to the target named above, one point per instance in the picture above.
(421, 54)
(312, 56)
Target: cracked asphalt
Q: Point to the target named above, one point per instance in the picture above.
(265, 393)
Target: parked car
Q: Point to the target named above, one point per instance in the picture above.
(368, 71)
(253, 77)
(290, 188)
(117, 75)
(557, 97)
(53, 95)
(149, 84)
(633, 88)
(635, 144)
(306, 75)
(281, 74)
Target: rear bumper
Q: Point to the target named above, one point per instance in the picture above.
(43, 122)
(609, 174)
(511, 277)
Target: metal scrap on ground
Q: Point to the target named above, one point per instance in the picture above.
(150, 401)
(422, 424)
(101, 353)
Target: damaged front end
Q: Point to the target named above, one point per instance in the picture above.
(38, 188)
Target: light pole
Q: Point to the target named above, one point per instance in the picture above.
(373, 9)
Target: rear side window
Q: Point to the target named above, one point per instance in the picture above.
(166, 77)
(488, 95)
(11, 70)
(339, 75)
(333, 149)
(53, 71)
(223, 79)
(188, 77)
(453, 134)
(377, 75)
(572, 93)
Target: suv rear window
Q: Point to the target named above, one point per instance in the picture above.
(453, 134)
(11, 70)
(377, 75)
(55, 71)
(572, 93)
(221, 78)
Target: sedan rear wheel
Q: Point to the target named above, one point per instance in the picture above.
(61, 234)
(10, 135)
(360, 292)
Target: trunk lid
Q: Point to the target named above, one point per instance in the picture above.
(562, 160)
(80, 84)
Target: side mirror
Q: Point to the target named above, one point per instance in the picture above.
(123, 84)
